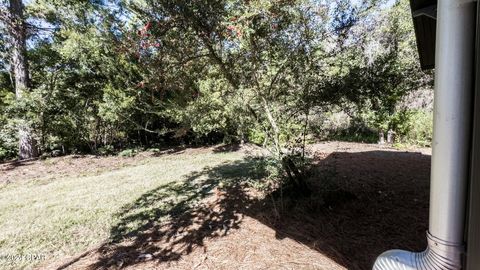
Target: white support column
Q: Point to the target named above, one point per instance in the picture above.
(451, 143)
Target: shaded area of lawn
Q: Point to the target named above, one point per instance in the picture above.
(171, 220)
(363, 204)
(56, 218)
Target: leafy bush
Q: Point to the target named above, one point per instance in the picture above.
(414, 127)
(128, 153)
(339, 126)
(268, 174)
(256, 136)
(8, 142)
(106, 150)
(411, 126)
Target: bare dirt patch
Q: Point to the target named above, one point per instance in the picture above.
(366, 199)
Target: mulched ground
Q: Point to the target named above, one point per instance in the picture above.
(366, 199)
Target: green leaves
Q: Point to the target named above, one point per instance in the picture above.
(133, 71)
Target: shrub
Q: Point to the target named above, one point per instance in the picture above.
(128, 153)
(106, 150)
(414, 127)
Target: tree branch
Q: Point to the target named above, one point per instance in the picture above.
(5, 17)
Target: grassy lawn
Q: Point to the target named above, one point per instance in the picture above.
(198, 208)
(65, 216)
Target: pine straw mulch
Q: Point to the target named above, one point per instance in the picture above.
(364, 202)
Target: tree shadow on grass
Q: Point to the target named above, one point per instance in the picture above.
(10, 165)
(233, 147)
(171, 220)
(363, 204)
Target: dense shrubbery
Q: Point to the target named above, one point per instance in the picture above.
(414, 127)
(411, 126)
(105, 78)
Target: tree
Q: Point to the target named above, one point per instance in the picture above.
(15, 24)
(266, 59)
(141, 72)
(381, 65)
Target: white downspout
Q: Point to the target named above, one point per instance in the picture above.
(451, 143)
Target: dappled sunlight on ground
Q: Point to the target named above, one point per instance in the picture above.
(364, 202)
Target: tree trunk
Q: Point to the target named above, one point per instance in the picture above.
(295, 176)
(17, 31)
(275, 129)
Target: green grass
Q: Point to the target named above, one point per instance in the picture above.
(63, 217)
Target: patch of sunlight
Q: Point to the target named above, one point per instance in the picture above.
(65, 216)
